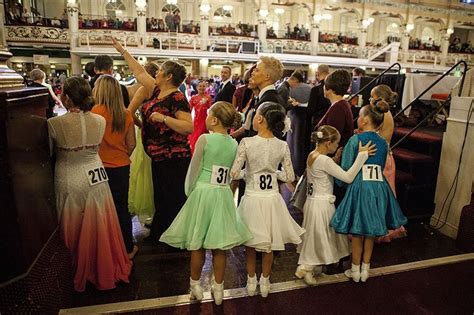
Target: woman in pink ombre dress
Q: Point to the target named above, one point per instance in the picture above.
(88, 221)
(383, 93)
(199, 104)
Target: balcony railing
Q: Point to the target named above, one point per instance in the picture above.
(44, 34)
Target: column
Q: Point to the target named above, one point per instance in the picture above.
(195, 68)
(8, 77)
(262, 25)
(76, 64)
(314, 38)
(203, 68)
(262, 32)
(141, 23)
(444, 48)
(73, 19)
(204, 31)
(405, 44)
(362, 42)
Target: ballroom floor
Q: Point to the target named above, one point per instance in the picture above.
(158, 272)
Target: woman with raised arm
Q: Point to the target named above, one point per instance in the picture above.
(166, 124)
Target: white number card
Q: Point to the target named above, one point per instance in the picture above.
(220, 175)
(96, 175)
(372, 172)
(265, 181)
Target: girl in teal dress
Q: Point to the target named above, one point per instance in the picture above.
(369, 207)
(208, 219)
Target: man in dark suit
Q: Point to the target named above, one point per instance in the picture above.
(268, 71)
(226, 88)
(318, 105)
(263, 78)
(104, 64)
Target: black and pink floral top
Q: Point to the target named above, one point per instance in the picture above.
(160, 141)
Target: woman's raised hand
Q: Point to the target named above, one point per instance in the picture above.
(369, 147)
(117, 45)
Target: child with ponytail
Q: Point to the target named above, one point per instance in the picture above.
(369, 206)
(321, 244)
(262, 207)
(208, 219)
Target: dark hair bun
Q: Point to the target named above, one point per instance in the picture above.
(237, 120)
(88, 103)
(381, 106)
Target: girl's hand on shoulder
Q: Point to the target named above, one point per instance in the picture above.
(337, 156)
(369, 147)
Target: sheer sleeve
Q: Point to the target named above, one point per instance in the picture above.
(348, 155)
(287, 173)
(237, 172)
(346, 176)
(195, 165)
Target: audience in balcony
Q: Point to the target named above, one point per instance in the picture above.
(337, 38)
(298, 33)
(457, 47)
(126, 24)
(34, 19)
(239, 30)
(418, 44)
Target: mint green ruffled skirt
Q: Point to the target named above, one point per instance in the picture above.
(207, 220)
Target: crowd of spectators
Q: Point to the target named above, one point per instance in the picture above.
(237, 30)
(24, 17)
(297, 32)
(337, 38)
(418, 44)
(126, 24)
(457, 47)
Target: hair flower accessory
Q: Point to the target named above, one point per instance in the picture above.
(319, 134)
(287, 125)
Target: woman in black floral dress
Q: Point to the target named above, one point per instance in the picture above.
(166, 123)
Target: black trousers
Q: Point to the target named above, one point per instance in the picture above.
(168, 189)
(119, 182)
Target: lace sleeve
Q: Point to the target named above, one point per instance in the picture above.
(287, 173)
(237, 172)
(195, 166)
(346, 176)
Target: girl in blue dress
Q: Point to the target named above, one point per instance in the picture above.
(369, 207)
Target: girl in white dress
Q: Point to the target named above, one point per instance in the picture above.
(321, 244)
(262, 208)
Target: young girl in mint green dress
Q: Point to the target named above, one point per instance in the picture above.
(208, 219)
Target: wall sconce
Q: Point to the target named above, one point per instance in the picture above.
(205, 8)
(279, 11)
(410, 27)
(263, 13)
(449, 31)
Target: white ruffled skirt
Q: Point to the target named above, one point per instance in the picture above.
(321, 244)
(269, 221)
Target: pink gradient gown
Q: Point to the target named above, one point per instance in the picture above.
(199, 106)
(88, 221)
